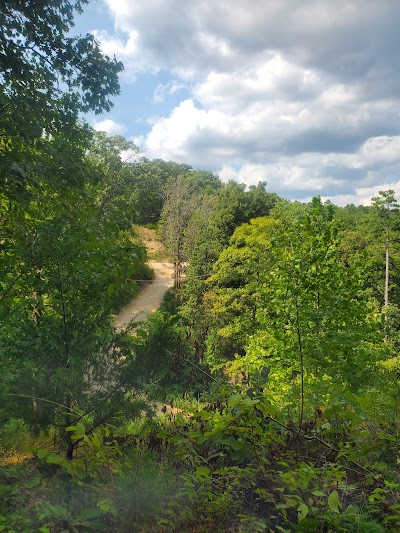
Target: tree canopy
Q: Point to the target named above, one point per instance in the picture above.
(47, 77)
(262, 396)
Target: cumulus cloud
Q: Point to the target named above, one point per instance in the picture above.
(365, 194)
(377, 150)
(303, 94)
(341, 37)
(110, 127)
(116, 45)
(362, 195)
(163, 90)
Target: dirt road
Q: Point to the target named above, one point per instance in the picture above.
(150, 296)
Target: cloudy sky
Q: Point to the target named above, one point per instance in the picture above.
(303, 94)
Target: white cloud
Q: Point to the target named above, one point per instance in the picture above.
(169, 136)
(366, 193)
(163, 90)
(131, 155)
(362, 195)
(377, 150)
(303, 94)
(110, 127)
(339, 37)
(270, 79)
(287, 176)
(115, 45)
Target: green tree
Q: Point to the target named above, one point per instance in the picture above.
(150, 179)
(180, 203)
(149, 184)
(47, 79)
(202, 245)
(289, 303)
(65, 274)
(365, 233)
(46, 73)
(320, 325)
(115, 189)
(235, 298)
(368, 234)
(385, 206)
(238, 205)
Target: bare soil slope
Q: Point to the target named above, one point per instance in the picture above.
(150, 296)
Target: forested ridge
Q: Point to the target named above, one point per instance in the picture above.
(276, 353)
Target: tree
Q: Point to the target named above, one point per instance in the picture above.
(150, 179)
(205, 182)
(287, 302)
(53, 76)
(385, 205)
(116, 190)
(258, 201)
(321, 323)
(234, 299)
(47, 79)
(238, 205)
(202, 245)
(64, 271)
(181, 201)
(367, 233)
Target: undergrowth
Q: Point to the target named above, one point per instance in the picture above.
(238, 466)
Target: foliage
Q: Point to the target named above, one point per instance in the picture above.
(204, 237)
(181, 200)
(238, 206)
(236, 297)
(287, 302)
(47, 78)
(364, 231)
(50, 493)
(273, 344)
(63, 275)
(245, 467)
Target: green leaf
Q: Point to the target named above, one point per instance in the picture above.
(266, 408)
(302, 511)
(249, 401)
(96, 441)
(318, 493)
(54, 458)
(202, 472)
(106, 507)
(34, 482)
(334, 501)
(234, 399)
(80, 431)
(41, 454)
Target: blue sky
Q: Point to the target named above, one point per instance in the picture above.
(136, 104)
(303, 94)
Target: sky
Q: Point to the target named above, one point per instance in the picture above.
(302, 94)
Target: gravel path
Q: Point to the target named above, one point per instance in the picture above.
(150, 296)
(148, 301)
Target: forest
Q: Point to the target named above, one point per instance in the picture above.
(276, 351)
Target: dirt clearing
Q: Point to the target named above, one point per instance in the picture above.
(152, 293)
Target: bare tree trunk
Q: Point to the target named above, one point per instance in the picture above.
(180, 203)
